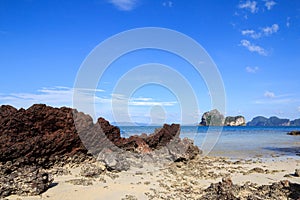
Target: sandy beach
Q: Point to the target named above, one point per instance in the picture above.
(178, 180)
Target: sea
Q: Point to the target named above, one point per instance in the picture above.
(243, 142)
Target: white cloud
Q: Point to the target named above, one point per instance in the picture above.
(271, 29)
(270, 4)
(125, 5)
(269, 94)
(53, 96)
(267, 31)
(299, 108)
(252, 69)
(272, 98)
(143, 101)
(251, 33)
(57, 96)
(253, 48)
(249, 5)
(168, 4)
(288, 22)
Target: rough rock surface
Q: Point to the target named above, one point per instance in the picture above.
(42, 136)
(235, 121)
(28, 180)
(227, 190)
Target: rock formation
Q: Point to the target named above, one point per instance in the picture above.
(235, 121)
(227, 190)
(294, 133)
(215, 118)
(212, 118)
(40, 137)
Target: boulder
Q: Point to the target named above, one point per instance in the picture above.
(235, 121)
(28, 180)
(113, 159)
(294, 133)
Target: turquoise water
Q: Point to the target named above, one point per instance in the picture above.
(235, 142)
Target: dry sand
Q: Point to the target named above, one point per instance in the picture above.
(185, 180)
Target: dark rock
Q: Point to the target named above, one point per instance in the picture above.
(223, 190)
(39, 135)
(161, 137)
(226, 190)
(294, 133)
(43, 137)
(28, 180)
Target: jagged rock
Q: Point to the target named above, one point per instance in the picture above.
(235, 121)
(161, 137)
(39, 135)
(28, 180)
(294, 133)
(43, 136)
(227, 190)
(183, 150)
(92, 170)
(212, 118)
(114, 160)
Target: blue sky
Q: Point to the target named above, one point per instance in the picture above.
(254, 44)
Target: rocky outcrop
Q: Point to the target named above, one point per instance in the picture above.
(215, 118)
(294, 133)
(272, 121)
(212, 118)
(235, 121)
(40, 137)
(227, 190)
(27, 180)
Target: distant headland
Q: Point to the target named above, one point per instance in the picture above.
(215, 118)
